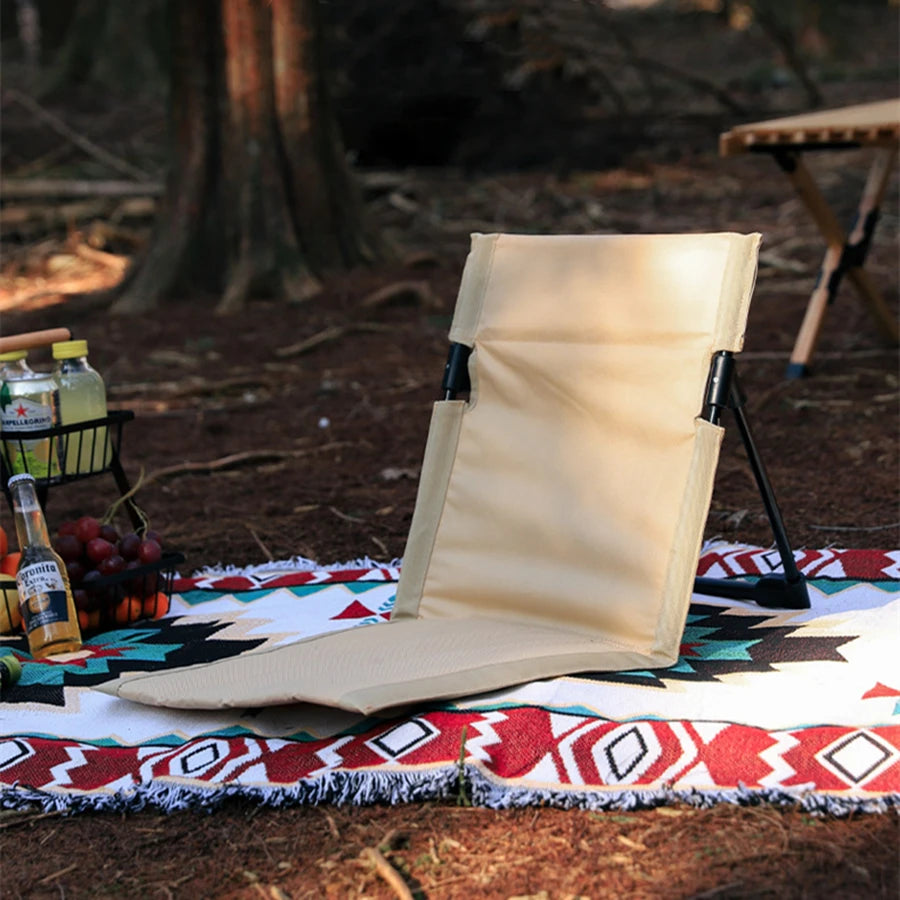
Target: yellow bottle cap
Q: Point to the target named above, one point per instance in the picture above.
(69, 349)
(13, 355)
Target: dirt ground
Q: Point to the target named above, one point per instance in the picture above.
(298, 431)
(323, 411)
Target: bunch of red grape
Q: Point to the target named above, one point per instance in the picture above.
(95, 551)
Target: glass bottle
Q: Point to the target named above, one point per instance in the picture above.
(28, 402)
(14, 365)
(82, 398)
(45, 596)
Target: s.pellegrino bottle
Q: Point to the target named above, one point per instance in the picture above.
(45, 595)
(28, 403)
(82, 398)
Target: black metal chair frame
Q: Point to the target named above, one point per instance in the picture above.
(784, 590)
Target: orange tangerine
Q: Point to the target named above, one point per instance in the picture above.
(156, 605)
(127, 610)
(88, 621)
(10, 563)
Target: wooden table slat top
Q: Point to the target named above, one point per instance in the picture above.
(866, 124)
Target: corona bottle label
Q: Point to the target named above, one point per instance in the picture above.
(43, 598)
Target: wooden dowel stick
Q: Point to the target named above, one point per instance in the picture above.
(29, 339)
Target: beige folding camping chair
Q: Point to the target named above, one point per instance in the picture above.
(561, 506)
(875, 125)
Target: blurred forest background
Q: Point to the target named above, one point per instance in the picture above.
(103, 101)
(314, 169)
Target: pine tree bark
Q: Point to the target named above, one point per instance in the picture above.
(259, 189)
(189, 188)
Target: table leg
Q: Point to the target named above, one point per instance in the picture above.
(844, 253)
(861, 235)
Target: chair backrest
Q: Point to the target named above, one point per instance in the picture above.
(573, 487)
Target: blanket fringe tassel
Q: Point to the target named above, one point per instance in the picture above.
(294, 564)
(367, 788)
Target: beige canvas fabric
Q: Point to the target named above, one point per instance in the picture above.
(561, 508)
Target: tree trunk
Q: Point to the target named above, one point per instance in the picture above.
(194, 130)
(259, 188)
(326, 208)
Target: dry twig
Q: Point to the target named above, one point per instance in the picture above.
(388, 873)
(18, 818)
(28, 188)
(79, 140)
(332, 333)
(855, 527)
(234, 459)
(101, 257)
(402, 291)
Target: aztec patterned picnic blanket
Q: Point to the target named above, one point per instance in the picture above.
(787, 707)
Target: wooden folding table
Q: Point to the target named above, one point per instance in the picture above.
(875, 125)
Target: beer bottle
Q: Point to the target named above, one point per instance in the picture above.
(45, 596)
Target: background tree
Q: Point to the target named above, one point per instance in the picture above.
(259, 199)
(98, 43)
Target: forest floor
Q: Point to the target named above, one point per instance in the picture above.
(320, 413)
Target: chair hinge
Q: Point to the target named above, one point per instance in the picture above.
(456, 371)
(719, 386)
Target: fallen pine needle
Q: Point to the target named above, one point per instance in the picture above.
(332, 825)
(388, 873)
(266, 551)
(272, 891)
(344, 516)
(58, 874)
(718, 891)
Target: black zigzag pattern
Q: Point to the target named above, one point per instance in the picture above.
(717, 641)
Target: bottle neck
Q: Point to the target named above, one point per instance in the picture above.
(73, 364)
(17, 371)
(31, 528)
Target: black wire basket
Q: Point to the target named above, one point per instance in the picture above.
(66, 452)
(133, 595)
